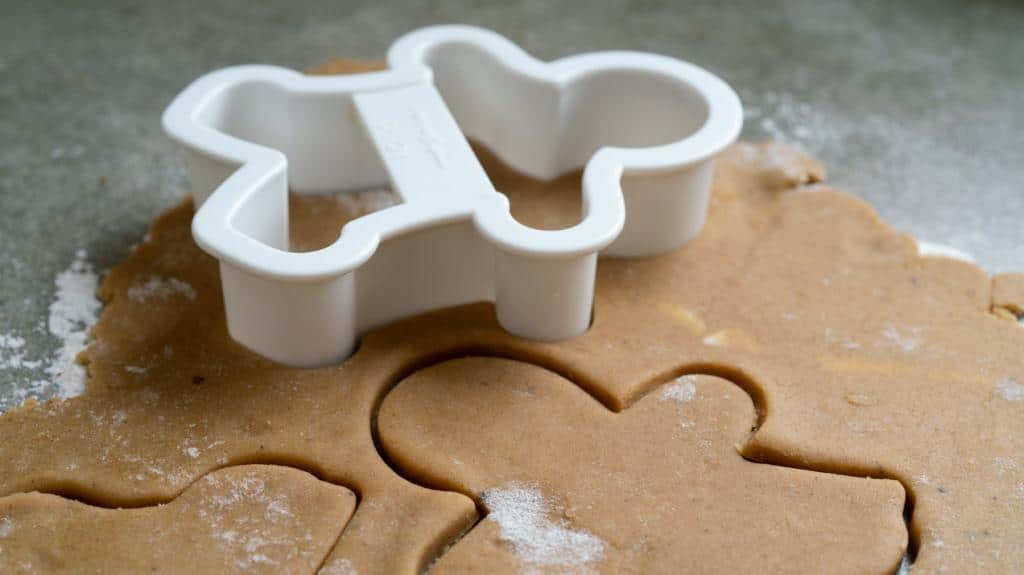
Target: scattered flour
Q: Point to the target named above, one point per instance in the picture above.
(902, 165)
(522, 514)
(903, 340)
(782, 118)
(831, 336)
(8, 341)
(1006, 464)
(680, 389)
(13, 355)
(161, 289)
(6, 526)
(928, 249)
(247, 541)
(339, 567)
(1010, 390)
(72, 313)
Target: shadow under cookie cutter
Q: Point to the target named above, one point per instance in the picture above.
(645, 128)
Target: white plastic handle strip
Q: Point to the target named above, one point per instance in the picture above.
(644, 128)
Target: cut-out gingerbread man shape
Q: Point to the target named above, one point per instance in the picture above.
(246, 519)
(570, 486)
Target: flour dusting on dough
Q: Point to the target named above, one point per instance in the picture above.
(680, 389)
(1010, 390)
(522, 514)
(1006, 464)
(6, 526)
(339, 567)
(831, 336)
(902, 339)
(161, 289)
(249, 542)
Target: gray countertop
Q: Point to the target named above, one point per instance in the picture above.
(916, 106)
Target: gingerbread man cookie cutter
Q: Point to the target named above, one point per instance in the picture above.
(644, 128)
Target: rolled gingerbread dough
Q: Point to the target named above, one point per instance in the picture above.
(859, 358)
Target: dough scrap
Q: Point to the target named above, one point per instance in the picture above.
(247, 519)
(861, 358)
(657, 488)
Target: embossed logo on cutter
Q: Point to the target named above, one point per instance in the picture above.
(644, 128)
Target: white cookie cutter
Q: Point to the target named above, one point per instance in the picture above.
(645, 127)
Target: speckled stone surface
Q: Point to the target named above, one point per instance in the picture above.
(915, 106)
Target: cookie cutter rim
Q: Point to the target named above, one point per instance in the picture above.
(605, 223)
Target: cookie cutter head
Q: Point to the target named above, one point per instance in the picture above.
(644, 128)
